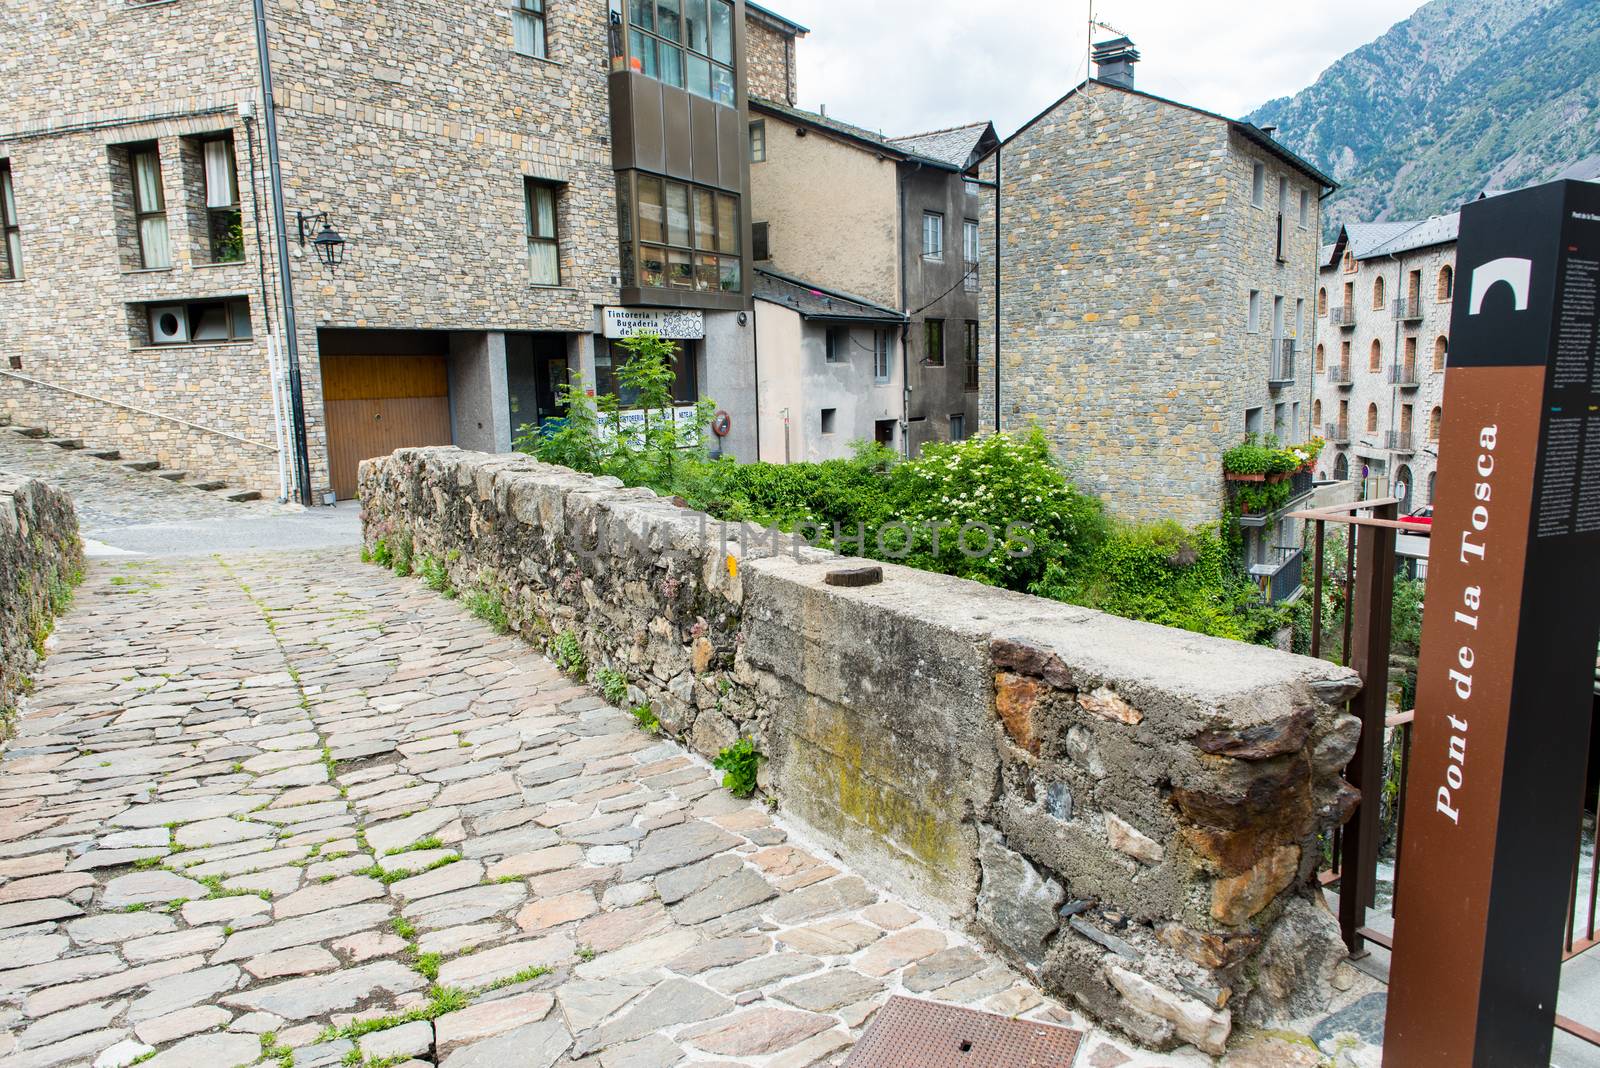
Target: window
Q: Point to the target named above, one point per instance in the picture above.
(1258, 185)
(544, 243)
(1283, 195)
(611, 356)
(1433, 477)
(970, 355)
(1277, 317)
(1322, 360)
(1349, 263)
(10, 239)
(958, 428)
(1435, 417)
(1252, 420)
(1280, 413)
(971, 249)
(1377, 292)
(1411, 359)
(932, 235)
(1375, 356)
(527, 28)
(686, 43)
(933, 342)
(1372, 418)
(150, 207)
(758, 141)
(199, 322)
(1299, 315)
(1254, 325)
(1447, 283)
(837, 349)
(829, 419)
(760, 249)
(1344, 358)
(1322, 302)
(1349, 302)
(1407, 414)
(880, 355)
(1344, 415)
(1441, 352)
(689, 237)
(1316, 414)
(224, 223)
(1305, 208)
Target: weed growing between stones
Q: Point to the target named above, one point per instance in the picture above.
(401, 552)
(568, 654)
(489, 608)
(381, 553)
(388, 877)
(739, 762)
(271, 1051)
(612, 683)
(441, 999)
(434, 575)
(645, 716)
(431, 842)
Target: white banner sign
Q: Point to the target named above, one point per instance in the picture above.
(676, 325)
(633, 422)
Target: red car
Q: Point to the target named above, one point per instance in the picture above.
(1422, 518)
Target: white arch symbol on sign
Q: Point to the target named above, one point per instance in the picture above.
(1514, 272)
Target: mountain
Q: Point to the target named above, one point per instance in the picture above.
(1464, 95)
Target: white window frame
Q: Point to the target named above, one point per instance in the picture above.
(880, 356)
(1258, 185)
(1305, 209)
(1253, 324)
(932, 235)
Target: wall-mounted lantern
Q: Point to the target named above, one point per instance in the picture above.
(329, 245)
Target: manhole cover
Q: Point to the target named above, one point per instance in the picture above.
(908, 1033)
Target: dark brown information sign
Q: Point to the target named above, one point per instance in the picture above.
(1504, 687)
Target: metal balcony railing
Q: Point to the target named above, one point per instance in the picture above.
(1404, 375)
(1282, 578)
(1339, 376)
(1337, 433)
(1399, 441)
(1343, 316)
(1281, 371)
(1408, 309)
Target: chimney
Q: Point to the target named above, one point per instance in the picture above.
(1114, 62)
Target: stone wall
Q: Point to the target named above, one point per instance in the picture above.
(771, 60)
(1128, 812)
(41, 557)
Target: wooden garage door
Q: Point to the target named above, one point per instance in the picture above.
(377, 404)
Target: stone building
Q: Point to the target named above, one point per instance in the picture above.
(867, 222)
(472, 157)
(1383, 340)
(1157, 269)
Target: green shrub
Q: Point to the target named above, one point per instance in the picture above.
(613, 685)
(567, 652)
(381, 554)
(739, 762)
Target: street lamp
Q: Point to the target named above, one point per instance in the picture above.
(329, 245)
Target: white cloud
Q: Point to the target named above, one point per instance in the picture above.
(903, 66)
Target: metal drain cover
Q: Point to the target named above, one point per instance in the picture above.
(907, 1033)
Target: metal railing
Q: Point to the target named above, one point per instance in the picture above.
(1281, 372)
(1408, 309)
(1399, 441)
(1281, 579)
(1339, 376)
(1404, 375)
(1338, 433)
(1343, 316)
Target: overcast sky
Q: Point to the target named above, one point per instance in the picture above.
(905, 66)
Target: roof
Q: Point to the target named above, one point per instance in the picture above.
(1585, 170)
(862, 136)
(958, 146)
(1371, 240)
(780, 23)
(815, 302)
(1247, 130)
(1439, 230)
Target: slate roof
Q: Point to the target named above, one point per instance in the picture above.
(789, 25)
(815, 302)
(818, 121)
(1439, 230)
(955, 146)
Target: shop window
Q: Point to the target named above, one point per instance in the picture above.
(610, 357)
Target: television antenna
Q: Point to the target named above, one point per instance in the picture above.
(1088, 40)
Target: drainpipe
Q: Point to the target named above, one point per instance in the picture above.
(755, 350)
(998, 149)
(269, 125)
(247, 113)
(905, 330)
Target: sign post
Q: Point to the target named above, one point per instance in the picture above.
(1504, 686)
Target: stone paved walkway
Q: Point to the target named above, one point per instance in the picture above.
(293, 805)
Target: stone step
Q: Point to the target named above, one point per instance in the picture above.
(65, 443)
(173, 476)
(104, 454)
(141, 465)
(210, 485)
(245, 495)
(31, 431)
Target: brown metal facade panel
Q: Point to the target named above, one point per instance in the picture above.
(908, 1033)
(733, 149)
(678, 133)
(704, 161)
(624, 149)
(648, 132)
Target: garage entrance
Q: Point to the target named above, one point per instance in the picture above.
(377, 402)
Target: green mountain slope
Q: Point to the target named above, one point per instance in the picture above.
(1462, 96)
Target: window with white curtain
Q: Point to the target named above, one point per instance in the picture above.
(544, 244)
(528, 28)
(150, 207)
(932, 235)
(224, 223)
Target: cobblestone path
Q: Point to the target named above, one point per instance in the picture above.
(291, 805)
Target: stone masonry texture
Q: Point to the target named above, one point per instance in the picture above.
(1128, 249)
(1127, 812)
(41, 557)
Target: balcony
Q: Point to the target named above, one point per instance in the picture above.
(1337, 433)
(1281, 371)
(1343, 317)
(1408, 309)
(1399, 441)
(1301, 485)
(1281, 579)
(1339, 376)
(1404, 375)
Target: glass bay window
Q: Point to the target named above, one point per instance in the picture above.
(689, 236)
(685, 43)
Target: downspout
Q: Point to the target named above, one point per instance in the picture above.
(273, 379)
(905, 329)
(755, 351)
(998, 149)
(269, 124)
